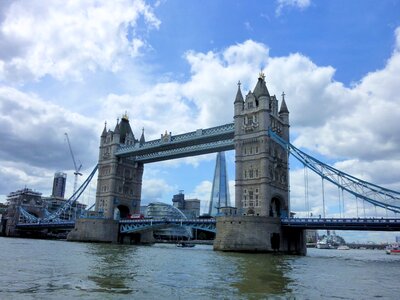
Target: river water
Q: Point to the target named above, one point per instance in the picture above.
(47, 269)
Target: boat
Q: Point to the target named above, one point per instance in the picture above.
(185, 245)
(393, 249)
(343, 247)
(323, 244)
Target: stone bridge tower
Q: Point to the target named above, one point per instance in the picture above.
(119, 180)
(262, 186)
(262, 178)
(119, 186)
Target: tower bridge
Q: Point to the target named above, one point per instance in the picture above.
(261, 174)
(262, 222)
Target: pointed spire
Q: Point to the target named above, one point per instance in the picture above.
(283, 108)
(239, 96)
(116, 130)
(104, 134)
(261, 88)
(142, 140)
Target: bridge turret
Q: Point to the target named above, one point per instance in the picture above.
(142, 139)
(116, 136)
(103, 134)
(261, 93)
(284, 116)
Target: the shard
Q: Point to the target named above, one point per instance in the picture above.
(220, 188)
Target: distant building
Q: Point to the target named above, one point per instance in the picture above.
(59, 182)
(76, 210)
(27, 199)
(311, 236)
(189, 207)
(398, 239)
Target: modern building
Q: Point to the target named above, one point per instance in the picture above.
(189, 207)
(220, 187)
(59, 182)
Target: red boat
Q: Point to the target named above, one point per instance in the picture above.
(393, 249)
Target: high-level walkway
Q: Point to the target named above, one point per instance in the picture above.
(201, 141)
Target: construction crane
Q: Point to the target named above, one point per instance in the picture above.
(77, 169)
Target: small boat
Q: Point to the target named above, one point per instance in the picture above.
(185, 245)
(343, 247)
(324, 245)
(393, 249)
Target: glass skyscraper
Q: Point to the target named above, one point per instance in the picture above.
(220, 188)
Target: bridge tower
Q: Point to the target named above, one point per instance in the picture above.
(261, 177)
(119, 180)
(119, 186)
(262, 187)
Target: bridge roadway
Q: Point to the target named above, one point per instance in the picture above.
(130, 226)
(45, 225)
(365, 224)
(201, 141)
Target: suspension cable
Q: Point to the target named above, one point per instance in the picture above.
(323, 197)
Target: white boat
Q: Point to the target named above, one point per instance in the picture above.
(323, 245)
(343, 247)
(185, 245)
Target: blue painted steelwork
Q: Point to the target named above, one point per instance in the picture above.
(201, 141)
(130, 226)
(370, 224)
(29, 218)
(43, 225)
(374, 194)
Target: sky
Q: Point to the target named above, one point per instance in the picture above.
(69, 67)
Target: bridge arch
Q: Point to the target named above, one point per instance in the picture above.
(121, 212)
(276, 207)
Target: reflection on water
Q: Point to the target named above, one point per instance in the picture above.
(262, 274)
(35, 269)
(112, 270)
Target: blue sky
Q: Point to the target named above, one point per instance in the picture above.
(174, 65)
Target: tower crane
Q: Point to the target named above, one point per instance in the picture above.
(77, 169)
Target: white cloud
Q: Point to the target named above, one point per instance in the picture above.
(33, 142)
(64, 39)
(155, 190)
(301, 4)
(326, 116)
(356, 124)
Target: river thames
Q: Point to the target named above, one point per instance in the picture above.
(48, 269)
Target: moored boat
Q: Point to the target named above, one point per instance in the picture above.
(343, 247)
(393, 249)
(185, 245)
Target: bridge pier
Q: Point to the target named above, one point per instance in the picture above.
(95, 230)
(142, 238)
(257, 234)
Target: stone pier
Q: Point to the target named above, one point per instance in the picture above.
(257, 234)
